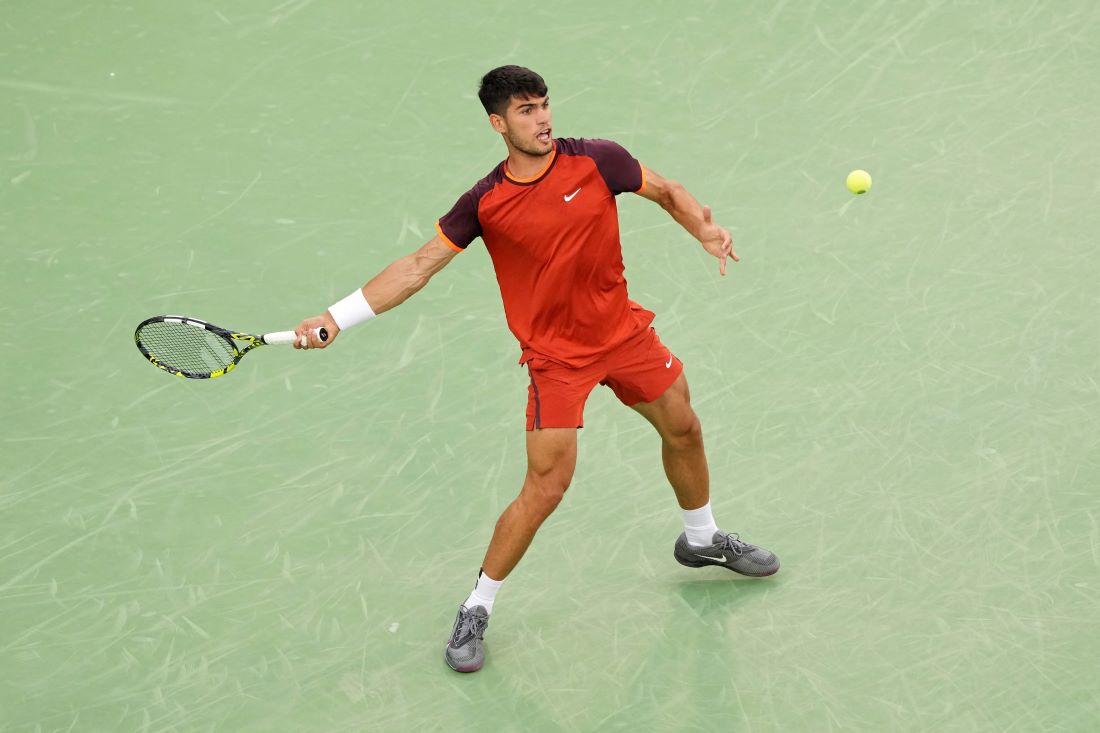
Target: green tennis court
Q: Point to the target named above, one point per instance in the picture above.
(900, 391)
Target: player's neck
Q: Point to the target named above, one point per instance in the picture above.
(523, 165)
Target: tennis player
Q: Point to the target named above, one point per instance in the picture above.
(548, 218)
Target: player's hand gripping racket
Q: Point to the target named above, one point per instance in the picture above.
(188, 347)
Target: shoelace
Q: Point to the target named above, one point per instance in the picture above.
(468, 625)
(733, 543)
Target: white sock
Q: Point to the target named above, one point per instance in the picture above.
(699, 526)
(485, 590)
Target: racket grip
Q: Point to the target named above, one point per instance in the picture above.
(280, 337)
(289, 337)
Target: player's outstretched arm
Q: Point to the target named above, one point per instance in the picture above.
(696, 219)
(388, 289)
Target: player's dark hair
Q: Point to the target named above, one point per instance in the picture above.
(504, 82)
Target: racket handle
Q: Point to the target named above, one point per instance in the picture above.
(289, 337)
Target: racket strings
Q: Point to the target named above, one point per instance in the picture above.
(185, 347)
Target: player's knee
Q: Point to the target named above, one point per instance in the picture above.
(686, 432)
(545, 489)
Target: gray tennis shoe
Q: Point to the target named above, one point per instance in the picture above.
(728, 551)
(465, 650)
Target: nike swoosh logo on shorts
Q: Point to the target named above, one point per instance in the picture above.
(668, 364)
(720, 558)
(570, 196)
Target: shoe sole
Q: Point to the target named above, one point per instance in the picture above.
(704, 563)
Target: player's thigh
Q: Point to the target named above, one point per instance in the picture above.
(552, 453)
(671, 413)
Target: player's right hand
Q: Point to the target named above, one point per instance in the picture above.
(310, 330)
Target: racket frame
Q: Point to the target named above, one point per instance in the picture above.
(232, 338)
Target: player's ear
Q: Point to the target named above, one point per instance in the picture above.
(498, 123)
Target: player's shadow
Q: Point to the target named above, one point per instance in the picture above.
(723, 592)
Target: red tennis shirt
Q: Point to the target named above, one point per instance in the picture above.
(554, 242)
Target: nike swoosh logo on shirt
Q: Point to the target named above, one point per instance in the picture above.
(570, 196)
(668, 364)
(720, 558)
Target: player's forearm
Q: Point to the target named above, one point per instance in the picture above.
(396, 284)
(683, 207)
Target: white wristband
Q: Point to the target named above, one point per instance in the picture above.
(351, 310)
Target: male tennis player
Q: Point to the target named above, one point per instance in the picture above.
(547, 216)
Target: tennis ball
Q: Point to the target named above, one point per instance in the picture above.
(859, 181)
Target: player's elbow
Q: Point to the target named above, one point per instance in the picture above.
(668, 194)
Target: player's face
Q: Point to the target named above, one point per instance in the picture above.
(527, 123)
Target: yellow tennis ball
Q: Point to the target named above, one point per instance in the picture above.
(859, 181)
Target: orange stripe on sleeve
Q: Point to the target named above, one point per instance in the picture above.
(446, 240)
(642, 187)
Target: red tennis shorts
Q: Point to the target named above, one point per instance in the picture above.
(638, 370)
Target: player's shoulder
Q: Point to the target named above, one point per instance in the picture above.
(462, 224)
(620, 171)
(470, 200)
(590, 146)
(491, 179)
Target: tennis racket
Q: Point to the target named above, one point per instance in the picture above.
(195, 349)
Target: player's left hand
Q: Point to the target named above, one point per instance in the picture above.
(716, 240)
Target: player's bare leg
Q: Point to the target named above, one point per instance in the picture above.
(681, 443)
(551, 459)
(702, 543)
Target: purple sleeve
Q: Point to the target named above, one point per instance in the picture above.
(620, 171)
(460, 225)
